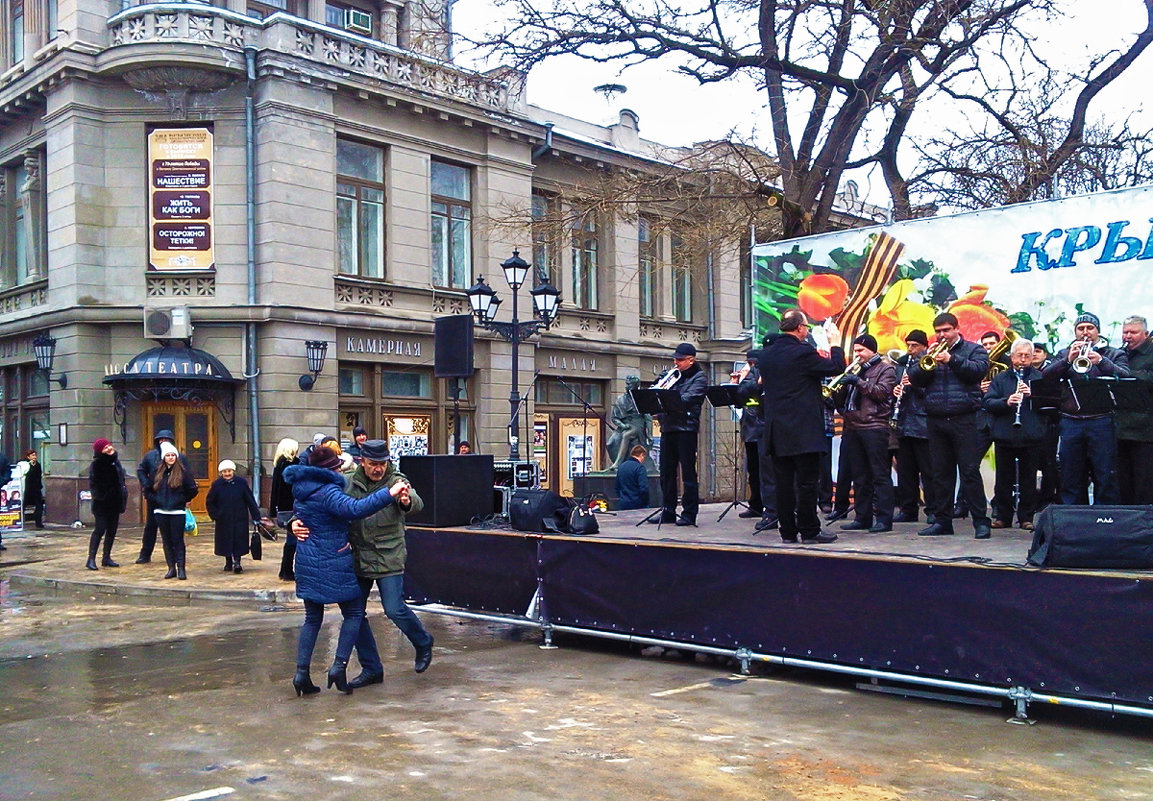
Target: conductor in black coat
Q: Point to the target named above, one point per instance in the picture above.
(791, 373)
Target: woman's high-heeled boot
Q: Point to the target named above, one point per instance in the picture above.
(338, 675)
(302, 682)
(171, 571)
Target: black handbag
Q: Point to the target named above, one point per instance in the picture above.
(255, 546)
(582, 521)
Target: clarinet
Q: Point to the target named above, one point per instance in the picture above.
(1017, 416)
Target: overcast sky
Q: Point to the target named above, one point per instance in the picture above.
(675, 110)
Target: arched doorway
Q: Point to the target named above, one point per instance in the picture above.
(194, 426)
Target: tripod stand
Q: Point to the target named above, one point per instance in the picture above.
(720, 396)
(736, 475)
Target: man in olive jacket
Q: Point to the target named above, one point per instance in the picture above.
(379, 549)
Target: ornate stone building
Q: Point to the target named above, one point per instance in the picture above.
(235, 180)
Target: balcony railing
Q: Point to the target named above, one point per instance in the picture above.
(367, 59)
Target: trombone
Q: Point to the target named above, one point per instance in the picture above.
(828, 389)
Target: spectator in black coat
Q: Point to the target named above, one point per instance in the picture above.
(632, 483)
(230, 505)
(109, 499)
(34, 488)
(280, 501)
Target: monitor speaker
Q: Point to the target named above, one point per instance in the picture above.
(453, 346)
(1093, 537)
(455, 489)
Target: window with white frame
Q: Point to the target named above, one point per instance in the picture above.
(544, 229)
(682, 279)
(22, 214)
(451, 224)
(360, 209)
(649, 257)
(585, 262)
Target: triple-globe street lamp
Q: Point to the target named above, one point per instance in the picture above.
(546, 306)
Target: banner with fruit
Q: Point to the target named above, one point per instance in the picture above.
(1031, 267)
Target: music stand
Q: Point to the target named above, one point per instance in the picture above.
(722, 395)
(1132, 395)
(1092, 395)
(658, 401)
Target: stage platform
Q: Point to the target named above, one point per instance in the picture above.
(932, 610)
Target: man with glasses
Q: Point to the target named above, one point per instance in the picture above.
(952, 396)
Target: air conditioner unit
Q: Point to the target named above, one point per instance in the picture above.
(358, 21)
(167, 323)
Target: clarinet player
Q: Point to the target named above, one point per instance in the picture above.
(1017, 434)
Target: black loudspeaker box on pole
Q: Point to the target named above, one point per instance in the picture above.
(453, 346)
(455, 489)
(1119, 537)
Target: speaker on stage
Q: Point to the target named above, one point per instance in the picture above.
(453, 346)
(455, 489)
(1094, 537)
(538, 510)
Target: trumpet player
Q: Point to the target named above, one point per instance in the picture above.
(1088, 436)
(951, 379)
(1017, 434)
(679, 431)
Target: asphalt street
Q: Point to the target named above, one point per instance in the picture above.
(148, 697)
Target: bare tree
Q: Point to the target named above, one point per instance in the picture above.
(842, 78)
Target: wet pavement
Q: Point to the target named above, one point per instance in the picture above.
(134, 697)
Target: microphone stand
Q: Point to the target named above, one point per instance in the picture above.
(521, 401)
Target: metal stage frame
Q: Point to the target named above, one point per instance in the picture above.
(890, 608)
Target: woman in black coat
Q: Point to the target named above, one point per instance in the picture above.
(172, 487)
(230, 505)
(34, 488)
(109, 499)
(280, 501)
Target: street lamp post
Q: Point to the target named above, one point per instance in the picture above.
(485, 303)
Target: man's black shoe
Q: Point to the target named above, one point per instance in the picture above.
(687, 520)
(935, 530)
(767, 524)
(749, 513)
(880, 528)
(423, 657)
(365, 678)
(960, 510)
(819, 539)
(826, 508)
(788, 539)
(143, 561)
(837, 514)
(667, 521)
(856, 525)
(901, 517)
(982, 532)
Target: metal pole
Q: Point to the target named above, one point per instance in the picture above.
(514, 393)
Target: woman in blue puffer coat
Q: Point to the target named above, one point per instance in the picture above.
(324, 564)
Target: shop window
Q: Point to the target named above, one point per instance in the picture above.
(360, 209)
(405, 385)
(351, 381)
(554, 393)
(451, 225)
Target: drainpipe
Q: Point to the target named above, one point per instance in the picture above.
(547, 146)
(251, 371)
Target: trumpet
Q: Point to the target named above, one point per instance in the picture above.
(927, 361)
(1081, 363)
(828, 389)
(668, 379)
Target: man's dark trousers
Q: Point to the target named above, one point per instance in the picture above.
(954, 447)
(679, 449)
(797, 494)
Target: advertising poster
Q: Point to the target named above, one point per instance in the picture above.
(540, 446)
(1031, 267)
(180, 199)
(407, 436)
(579, 455)
(11, 507)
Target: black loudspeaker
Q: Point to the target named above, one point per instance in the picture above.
(1093, 536)
(455, 489)
(453, 346)
(537, 510)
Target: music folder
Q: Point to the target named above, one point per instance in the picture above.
(658, 401)
(723, 395)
